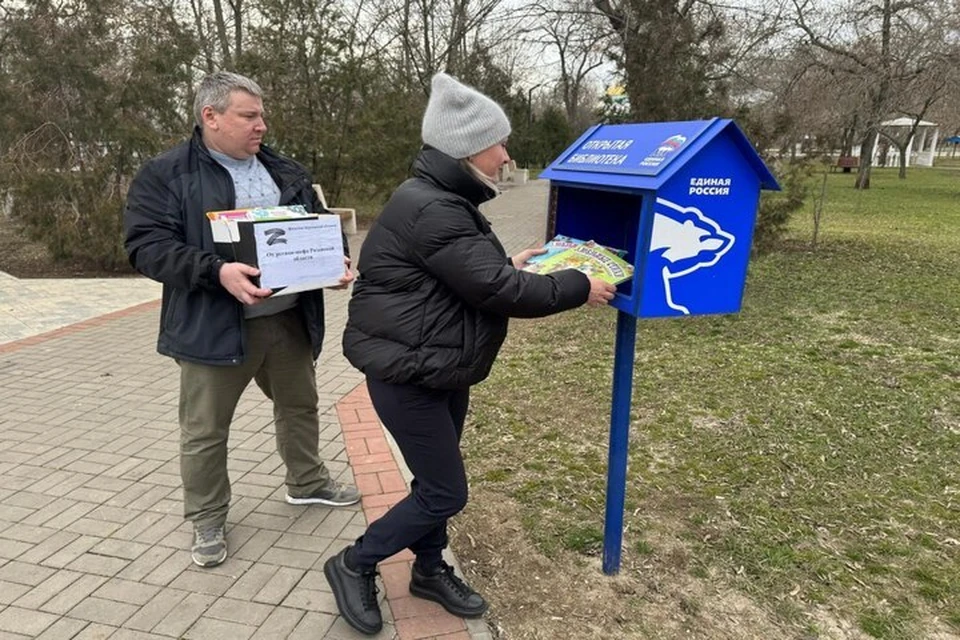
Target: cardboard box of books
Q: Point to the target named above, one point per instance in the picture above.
(294, 250)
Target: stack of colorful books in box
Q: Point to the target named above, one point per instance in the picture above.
(223, 224)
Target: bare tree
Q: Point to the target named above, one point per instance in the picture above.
(879, 46)
(572, 29)
(198, 13)
(222, 38)
(438, 35)
(922, 97)
(222, 33)
(237, 7)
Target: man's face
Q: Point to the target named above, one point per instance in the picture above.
(238, 131)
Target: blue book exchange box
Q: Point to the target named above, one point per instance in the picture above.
(681, 198)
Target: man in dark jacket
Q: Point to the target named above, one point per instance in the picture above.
(220, 327)
(427, 318)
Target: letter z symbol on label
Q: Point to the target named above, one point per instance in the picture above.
(275, 236)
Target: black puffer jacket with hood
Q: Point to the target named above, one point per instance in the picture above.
(436, 288)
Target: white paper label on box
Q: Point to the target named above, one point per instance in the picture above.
(294, 253)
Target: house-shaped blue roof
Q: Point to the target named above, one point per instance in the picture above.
(645, 156)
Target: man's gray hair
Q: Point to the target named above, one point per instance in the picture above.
(215, 90)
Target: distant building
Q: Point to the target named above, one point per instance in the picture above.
(920, 149)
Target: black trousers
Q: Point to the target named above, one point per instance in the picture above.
(427, 424)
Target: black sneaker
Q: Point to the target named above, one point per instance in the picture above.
(356, 594)
(451, 592)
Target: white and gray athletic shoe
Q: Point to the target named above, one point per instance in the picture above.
(209, 546)
(334, 494)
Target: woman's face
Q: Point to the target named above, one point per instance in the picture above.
(491, 159)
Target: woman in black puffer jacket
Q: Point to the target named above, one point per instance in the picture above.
(428, 315)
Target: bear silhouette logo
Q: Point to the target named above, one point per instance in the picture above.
(685, 240)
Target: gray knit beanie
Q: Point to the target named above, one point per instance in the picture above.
(460, 121)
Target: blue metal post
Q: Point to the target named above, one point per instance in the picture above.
(619, 440)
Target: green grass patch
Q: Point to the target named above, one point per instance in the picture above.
(806, 450)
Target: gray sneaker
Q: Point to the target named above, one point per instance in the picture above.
(209, 546)
(334, 494)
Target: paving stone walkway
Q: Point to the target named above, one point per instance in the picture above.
(92, 540)
(35, 306)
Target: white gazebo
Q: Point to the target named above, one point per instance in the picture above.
(920, 148)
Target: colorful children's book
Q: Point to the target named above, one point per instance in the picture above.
(591, 259)
(261, 213)
(561, 243)
(553, 247)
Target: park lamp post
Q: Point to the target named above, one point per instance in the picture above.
(530, 102)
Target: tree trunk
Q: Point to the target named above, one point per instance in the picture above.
(237, 6)
(846, 146)
(407, 56)
(197, 7)
(866, 159)
(222, 33)
(429, 67)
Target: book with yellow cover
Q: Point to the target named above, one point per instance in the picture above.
(591, 259)
(557, 244)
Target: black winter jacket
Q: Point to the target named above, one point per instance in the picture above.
(436, 287)
(168, 239)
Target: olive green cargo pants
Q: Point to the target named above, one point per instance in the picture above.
(279, 357)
